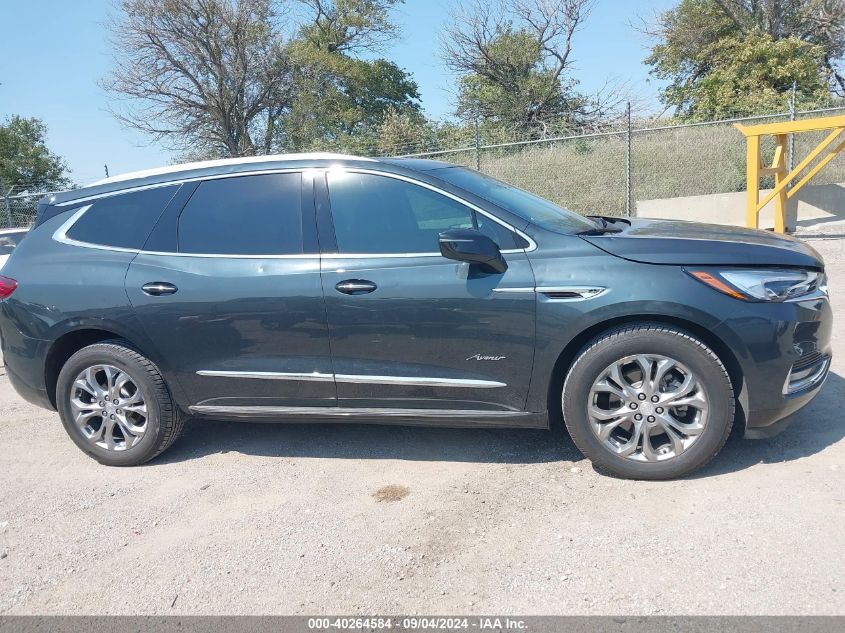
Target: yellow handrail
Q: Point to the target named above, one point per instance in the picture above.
(782, 192)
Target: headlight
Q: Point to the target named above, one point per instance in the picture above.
(761, 284)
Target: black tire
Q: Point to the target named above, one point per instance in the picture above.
(164, 422)
(621, 342)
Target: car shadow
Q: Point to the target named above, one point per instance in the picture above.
(813, 429)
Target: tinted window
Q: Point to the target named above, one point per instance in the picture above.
(247, 215)
(124, 220)
(526, 205)
(504, 237)
(8, 241)
(378, 214)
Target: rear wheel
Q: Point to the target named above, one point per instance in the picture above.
(115, 406)
(648, 402)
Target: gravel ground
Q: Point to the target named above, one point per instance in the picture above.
(243, 518)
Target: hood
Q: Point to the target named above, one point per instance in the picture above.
(693, 244)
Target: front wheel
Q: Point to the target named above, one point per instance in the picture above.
(115, 405)
(648, 402)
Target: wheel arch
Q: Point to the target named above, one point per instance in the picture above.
(570, 352)
(67, 345)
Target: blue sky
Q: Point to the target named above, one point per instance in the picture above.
(53, 52)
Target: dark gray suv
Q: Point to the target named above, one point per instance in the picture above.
(334, 288)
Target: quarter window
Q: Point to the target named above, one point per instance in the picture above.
(379, 214)
(245, 215)
(124, 220)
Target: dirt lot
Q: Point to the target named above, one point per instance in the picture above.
(243, 518)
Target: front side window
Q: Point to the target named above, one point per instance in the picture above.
(382, 215)
(244, 215)
(124, 220)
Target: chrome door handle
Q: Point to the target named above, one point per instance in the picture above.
(159, 288)
(355, 287)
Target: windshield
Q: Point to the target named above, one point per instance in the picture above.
(526, 205)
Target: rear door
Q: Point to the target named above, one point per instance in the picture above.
(410, 328)
(228, 286)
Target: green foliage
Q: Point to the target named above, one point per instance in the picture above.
(346, 25)
(340, 100)
(519, 92)
(721, 62)
(403, 132)
(25, 161)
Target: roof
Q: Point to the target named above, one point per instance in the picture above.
(223, 162)
(233, 166)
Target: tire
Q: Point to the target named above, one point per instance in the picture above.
(149, 424)
(595, 401)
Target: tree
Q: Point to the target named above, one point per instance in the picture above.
(25, 162)
(216, 78)
(340, 99)
(513, 59)
(820, 22)
(347, 26)
(208, 74)
(403, 133)
(742, 56)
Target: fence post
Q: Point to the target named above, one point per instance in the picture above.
(790, 152)
(8, 203)
(628, 167)
(477, 146)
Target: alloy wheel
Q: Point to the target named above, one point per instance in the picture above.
(647, 407)
(109, 407)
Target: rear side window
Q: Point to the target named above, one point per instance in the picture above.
(124, 220)
(8, 241)
(245, 215)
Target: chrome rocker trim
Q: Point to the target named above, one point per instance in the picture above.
(357, 379)
(345, 412)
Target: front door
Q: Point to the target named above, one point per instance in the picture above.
(235, 302)
(410, 328)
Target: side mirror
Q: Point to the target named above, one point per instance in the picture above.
(469, 245)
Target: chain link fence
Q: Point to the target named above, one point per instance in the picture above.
(607, 172)
(18, 211)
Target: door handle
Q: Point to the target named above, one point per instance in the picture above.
(159, 288)
(355, 287)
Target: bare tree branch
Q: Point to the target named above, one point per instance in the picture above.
(200, 73)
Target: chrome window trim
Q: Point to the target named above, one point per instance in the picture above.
(61, 234)
(353, 411)
(356, 379)
(180, 181)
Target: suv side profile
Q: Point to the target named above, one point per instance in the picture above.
(333, 288)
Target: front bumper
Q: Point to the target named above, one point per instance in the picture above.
(784, 355)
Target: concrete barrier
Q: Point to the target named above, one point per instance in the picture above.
(817, 207)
